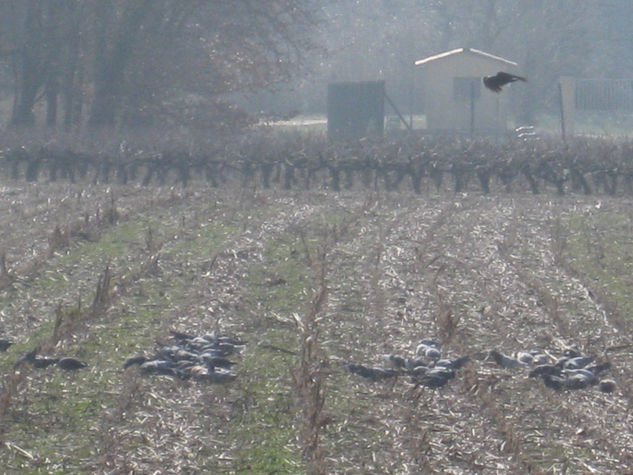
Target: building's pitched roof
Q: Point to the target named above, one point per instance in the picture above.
(453, 52)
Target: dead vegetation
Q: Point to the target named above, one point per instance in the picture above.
(312, 281)
(6, 278)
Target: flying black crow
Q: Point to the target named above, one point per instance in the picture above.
(495, 83)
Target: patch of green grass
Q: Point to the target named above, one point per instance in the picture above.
(266, 424)
(600, 248)
(281, 285)
(72, 405)
(114, 242)
(65, 410)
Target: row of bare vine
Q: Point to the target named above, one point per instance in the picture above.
(416, 162)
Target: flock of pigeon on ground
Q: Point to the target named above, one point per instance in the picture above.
(205, 358)
(571, 370)
(427, 367)
(201, 358)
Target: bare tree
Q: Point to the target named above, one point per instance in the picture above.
(28, 60)
(116, 35)
(131, 57)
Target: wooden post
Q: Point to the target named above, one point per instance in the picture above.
(567, 92)
(472, 108)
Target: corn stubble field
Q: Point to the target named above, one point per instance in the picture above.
(311, 280)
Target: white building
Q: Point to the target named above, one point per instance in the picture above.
(453, 94)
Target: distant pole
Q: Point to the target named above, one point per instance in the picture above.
(412, 98)
(562, 113)
(411, 68)
(472, 109)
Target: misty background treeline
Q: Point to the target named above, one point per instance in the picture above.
(217, 64)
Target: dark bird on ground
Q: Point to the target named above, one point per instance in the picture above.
(230, 340)
(598, 367)
(553, 381)
(374, 374)
(38, 361)
(432, 380)
(428, 351)
(433, 377)
(219, 348)
(495, 83)
(181, 336)
(575, 362)
(44, 361)
(160, 367)
(453, 364)
(579, 378)
(217, 361)
(26, 358)
(199, 343)
(572, 352)
(429, 342)
(554, 376)
(428, 348)
(441, 372)
(218, 376)
(582, 377)
(188, 356)
(545, 369)
(413, 363)
(539, 358)
(185, 355)
(168, 351)
(524, 357)
(418, 371)
(5, 344)
(134, 360)
(607, 385)
(198, 372)
(70, 364)
(396, 362)
(505, 361)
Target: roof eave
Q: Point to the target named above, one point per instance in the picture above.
(453, 52)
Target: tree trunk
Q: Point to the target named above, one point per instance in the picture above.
(30, 74)
(72, 77)
(51, 90)
(110, 65)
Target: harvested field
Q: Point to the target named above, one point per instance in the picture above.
(310, 281)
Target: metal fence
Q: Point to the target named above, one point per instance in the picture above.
(604, 94)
